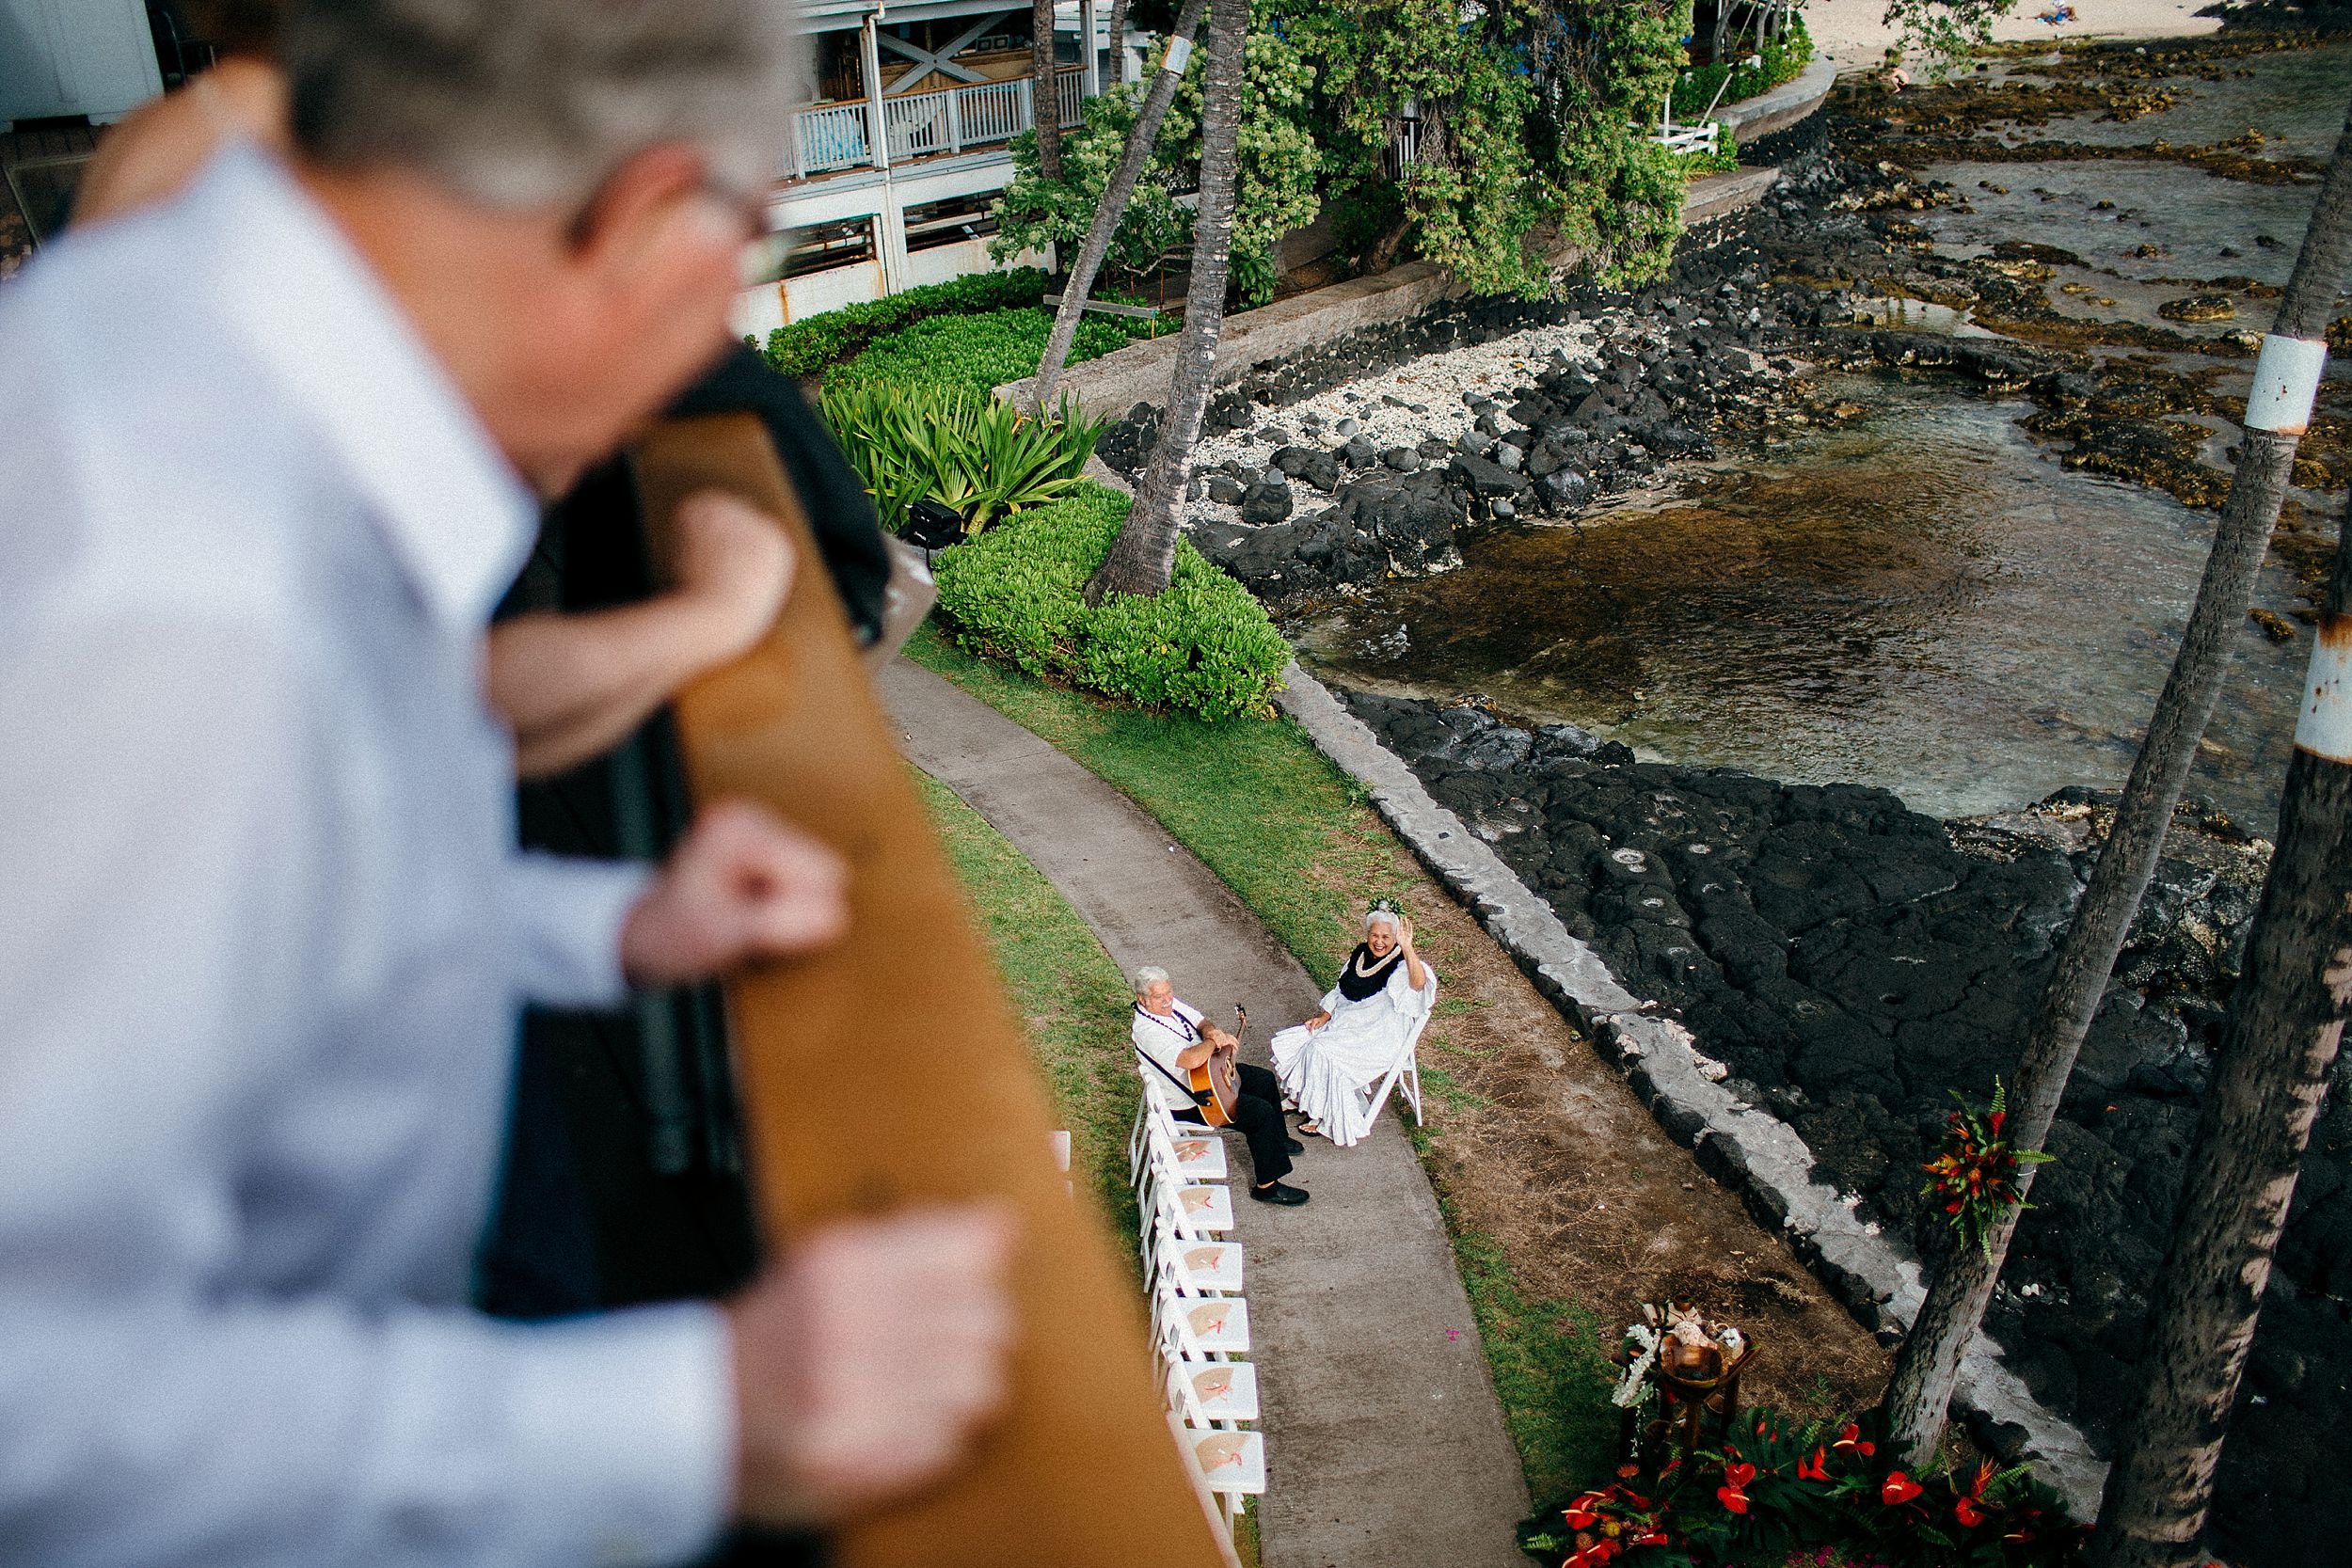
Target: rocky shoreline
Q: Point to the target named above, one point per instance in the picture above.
(1378, 453)
(1849, 961)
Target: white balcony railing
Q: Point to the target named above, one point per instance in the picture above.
(833, 137)
(830, 137)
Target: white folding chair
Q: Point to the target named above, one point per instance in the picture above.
(1214, 1393)
(1231, 1464)
(1199, 1328)
(1199, 1267)
(1183, 1152)
(1199, 1152)
(1192, 1210)
(1405, 1070)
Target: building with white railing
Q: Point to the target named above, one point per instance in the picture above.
(889, 174)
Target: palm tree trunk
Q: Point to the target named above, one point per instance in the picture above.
(1044, 90)
(1144, 554)
(1921, 1391)
(1113, 205)
(1119, 38)
(2270, 1075)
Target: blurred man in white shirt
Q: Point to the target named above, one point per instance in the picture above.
(262, 929)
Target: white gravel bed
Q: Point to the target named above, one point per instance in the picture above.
(1430, 390)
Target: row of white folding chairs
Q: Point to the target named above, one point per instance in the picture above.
(1200, 1318)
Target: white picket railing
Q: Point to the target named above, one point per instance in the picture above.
(830, 137)
(834, 136)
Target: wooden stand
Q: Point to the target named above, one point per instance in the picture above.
(1698, 1394)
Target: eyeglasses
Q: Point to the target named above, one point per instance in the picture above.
(763, 256)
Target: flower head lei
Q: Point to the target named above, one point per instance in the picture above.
(1384, 904)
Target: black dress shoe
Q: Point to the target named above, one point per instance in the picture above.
(1289, 1198)
(1292, 1146)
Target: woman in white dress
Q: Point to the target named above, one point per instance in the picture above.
(1329, 1064)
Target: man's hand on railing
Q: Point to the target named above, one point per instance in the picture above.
(740, 886)
(865, 1360)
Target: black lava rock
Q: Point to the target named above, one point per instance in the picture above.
(1265, 502)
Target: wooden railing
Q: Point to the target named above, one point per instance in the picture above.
(829, 138)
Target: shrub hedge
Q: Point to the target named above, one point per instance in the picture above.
(976, 353)
(1017, 593)
(1783, 59)
(806, 347)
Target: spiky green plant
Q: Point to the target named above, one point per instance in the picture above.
(983, 459)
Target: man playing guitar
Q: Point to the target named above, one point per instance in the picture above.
(1172, 1041)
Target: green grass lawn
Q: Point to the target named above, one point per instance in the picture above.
(1296, 839)
(1286, 831)
(1072, 994)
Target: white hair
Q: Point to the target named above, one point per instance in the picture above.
(1377, 917)
(534, 102)
(1149, 976)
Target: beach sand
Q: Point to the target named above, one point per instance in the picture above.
(1851, 33)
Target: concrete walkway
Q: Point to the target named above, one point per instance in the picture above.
(1386, 1446)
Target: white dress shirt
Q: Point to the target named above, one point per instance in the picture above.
(263, 936)
(1164, 1040)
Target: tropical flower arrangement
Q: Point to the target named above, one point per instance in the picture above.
(1785, 1487)
(1974, 1173)
(1661, 1323)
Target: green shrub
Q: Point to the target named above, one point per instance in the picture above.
(1783, 59)
(806, 347)
(987, 460)
(979, 353)
(1017, 593)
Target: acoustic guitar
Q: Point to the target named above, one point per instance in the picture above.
(889, 1070)
(1215, 1083)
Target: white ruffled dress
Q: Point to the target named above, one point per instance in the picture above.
(1331, 1072)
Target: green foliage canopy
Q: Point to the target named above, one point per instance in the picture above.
(1534, 118)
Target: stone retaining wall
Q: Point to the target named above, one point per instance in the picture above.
(1754, 119)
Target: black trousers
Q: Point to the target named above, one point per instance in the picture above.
(1257, 1112)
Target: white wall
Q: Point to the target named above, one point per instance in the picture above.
(92, 57)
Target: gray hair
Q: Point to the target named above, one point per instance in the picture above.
(534, 102)
(1149, 976)
(1374, 917)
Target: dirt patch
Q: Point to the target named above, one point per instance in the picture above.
(1537, 1142)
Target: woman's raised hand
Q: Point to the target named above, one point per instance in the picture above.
(1404, 932)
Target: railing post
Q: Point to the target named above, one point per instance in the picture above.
(1029, 105)
(1087, 51)
(876, 123)
(955, 120)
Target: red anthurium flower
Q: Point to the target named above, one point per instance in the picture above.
(1967, 1513)
(1654, 1536)
(1898, 1488)
(1739, 1476)
(1814, 1468)
(1579, 1514)
(1734, 1502)
(1850, 1441)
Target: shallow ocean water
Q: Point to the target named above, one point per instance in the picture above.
(1920, 600)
